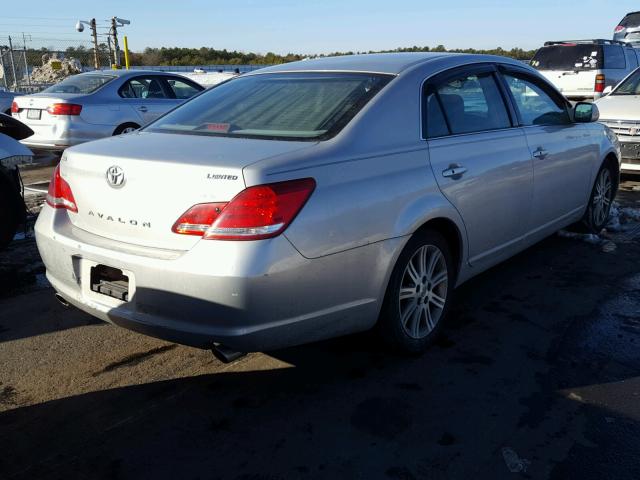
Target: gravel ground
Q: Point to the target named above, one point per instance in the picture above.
(536, 376)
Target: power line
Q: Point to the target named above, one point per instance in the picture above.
(41, 18)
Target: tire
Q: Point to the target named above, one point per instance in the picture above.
(9, 215)
(415, 305)
(597, 215)
(126, 128)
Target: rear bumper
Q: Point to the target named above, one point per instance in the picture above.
(250, 296)
(64, 133)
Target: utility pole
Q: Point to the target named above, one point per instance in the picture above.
(13, 65)
(26, 65)
(94, 34)
(116, 47)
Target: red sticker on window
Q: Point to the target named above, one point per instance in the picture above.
(219, 127)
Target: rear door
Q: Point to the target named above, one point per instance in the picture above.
(481, 162)
(561, 151)
(149, 96)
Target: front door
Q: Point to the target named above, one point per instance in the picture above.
(562, 159)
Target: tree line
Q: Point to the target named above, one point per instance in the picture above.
(175, 56)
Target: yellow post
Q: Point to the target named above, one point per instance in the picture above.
(126, 52)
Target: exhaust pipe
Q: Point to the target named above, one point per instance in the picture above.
(225, 354)
(62, 301)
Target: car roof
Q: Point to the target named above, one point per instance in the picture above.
(386, 63)
(391, 63)
(124, 73)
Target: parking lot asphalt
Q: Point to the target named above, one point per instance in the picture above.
(537, 375)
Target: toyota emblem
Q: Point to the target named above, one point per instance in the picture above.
(115, 176)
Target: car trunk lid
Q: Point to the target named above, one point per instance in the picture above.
(133, 188)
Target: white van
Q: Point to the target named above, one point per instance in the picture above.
(582, 69)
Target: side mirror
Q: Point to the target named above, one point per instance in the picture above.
(585, 112)
(607, 90)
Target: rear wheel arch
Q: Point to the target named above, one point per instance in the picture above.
(451, 233)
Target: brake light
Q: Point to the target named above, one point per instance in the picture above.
(618, 29)
(259, 212)
(600, 81)
(14, 107)
(64, 109)
(59, 194)
(197, 219)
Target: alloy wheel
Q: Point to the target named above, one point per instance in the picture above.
(423, 291)
(601, 203)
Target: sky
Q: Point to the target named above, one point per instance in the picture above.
(312, 27)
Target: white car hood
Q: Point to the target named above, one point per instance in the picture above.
(619, 107)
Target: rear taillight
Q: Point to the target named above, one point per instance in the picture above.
(14, 108)
(64, 109)
(198, 219)
(618, 29)
(59, 194)
(600, 81)
(259, 212)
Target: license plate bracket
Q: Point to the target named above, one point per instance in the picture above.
(110, 281)
(34, 114)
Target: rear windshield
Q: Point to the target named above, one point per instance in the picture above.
(631, 20)
(568, 56)
(295, 106)
(629, 86)
(83, 83)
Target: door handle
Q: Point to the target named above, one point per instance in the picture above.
(142, 108)
(540, 153)
(454, 171)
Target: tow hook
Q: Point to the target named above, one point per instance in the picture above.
(225, 354)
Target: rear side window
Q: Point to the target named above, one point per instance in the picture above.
(614, 57)
(568, 57)
(433, 118)
(472, 103)
(143, 87)
(535, 105)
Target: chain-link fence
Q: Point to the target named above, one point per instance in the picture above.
(29, 64)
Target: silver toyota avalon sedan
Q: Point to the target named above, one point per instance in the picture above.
(99, 104)
(324, 197)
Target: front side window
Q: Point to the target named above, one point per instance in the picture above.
(289, 106)
(614, 57)
(181, 89)
(470, 103)
(536, 107)
(82, 83)
(143, 87)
